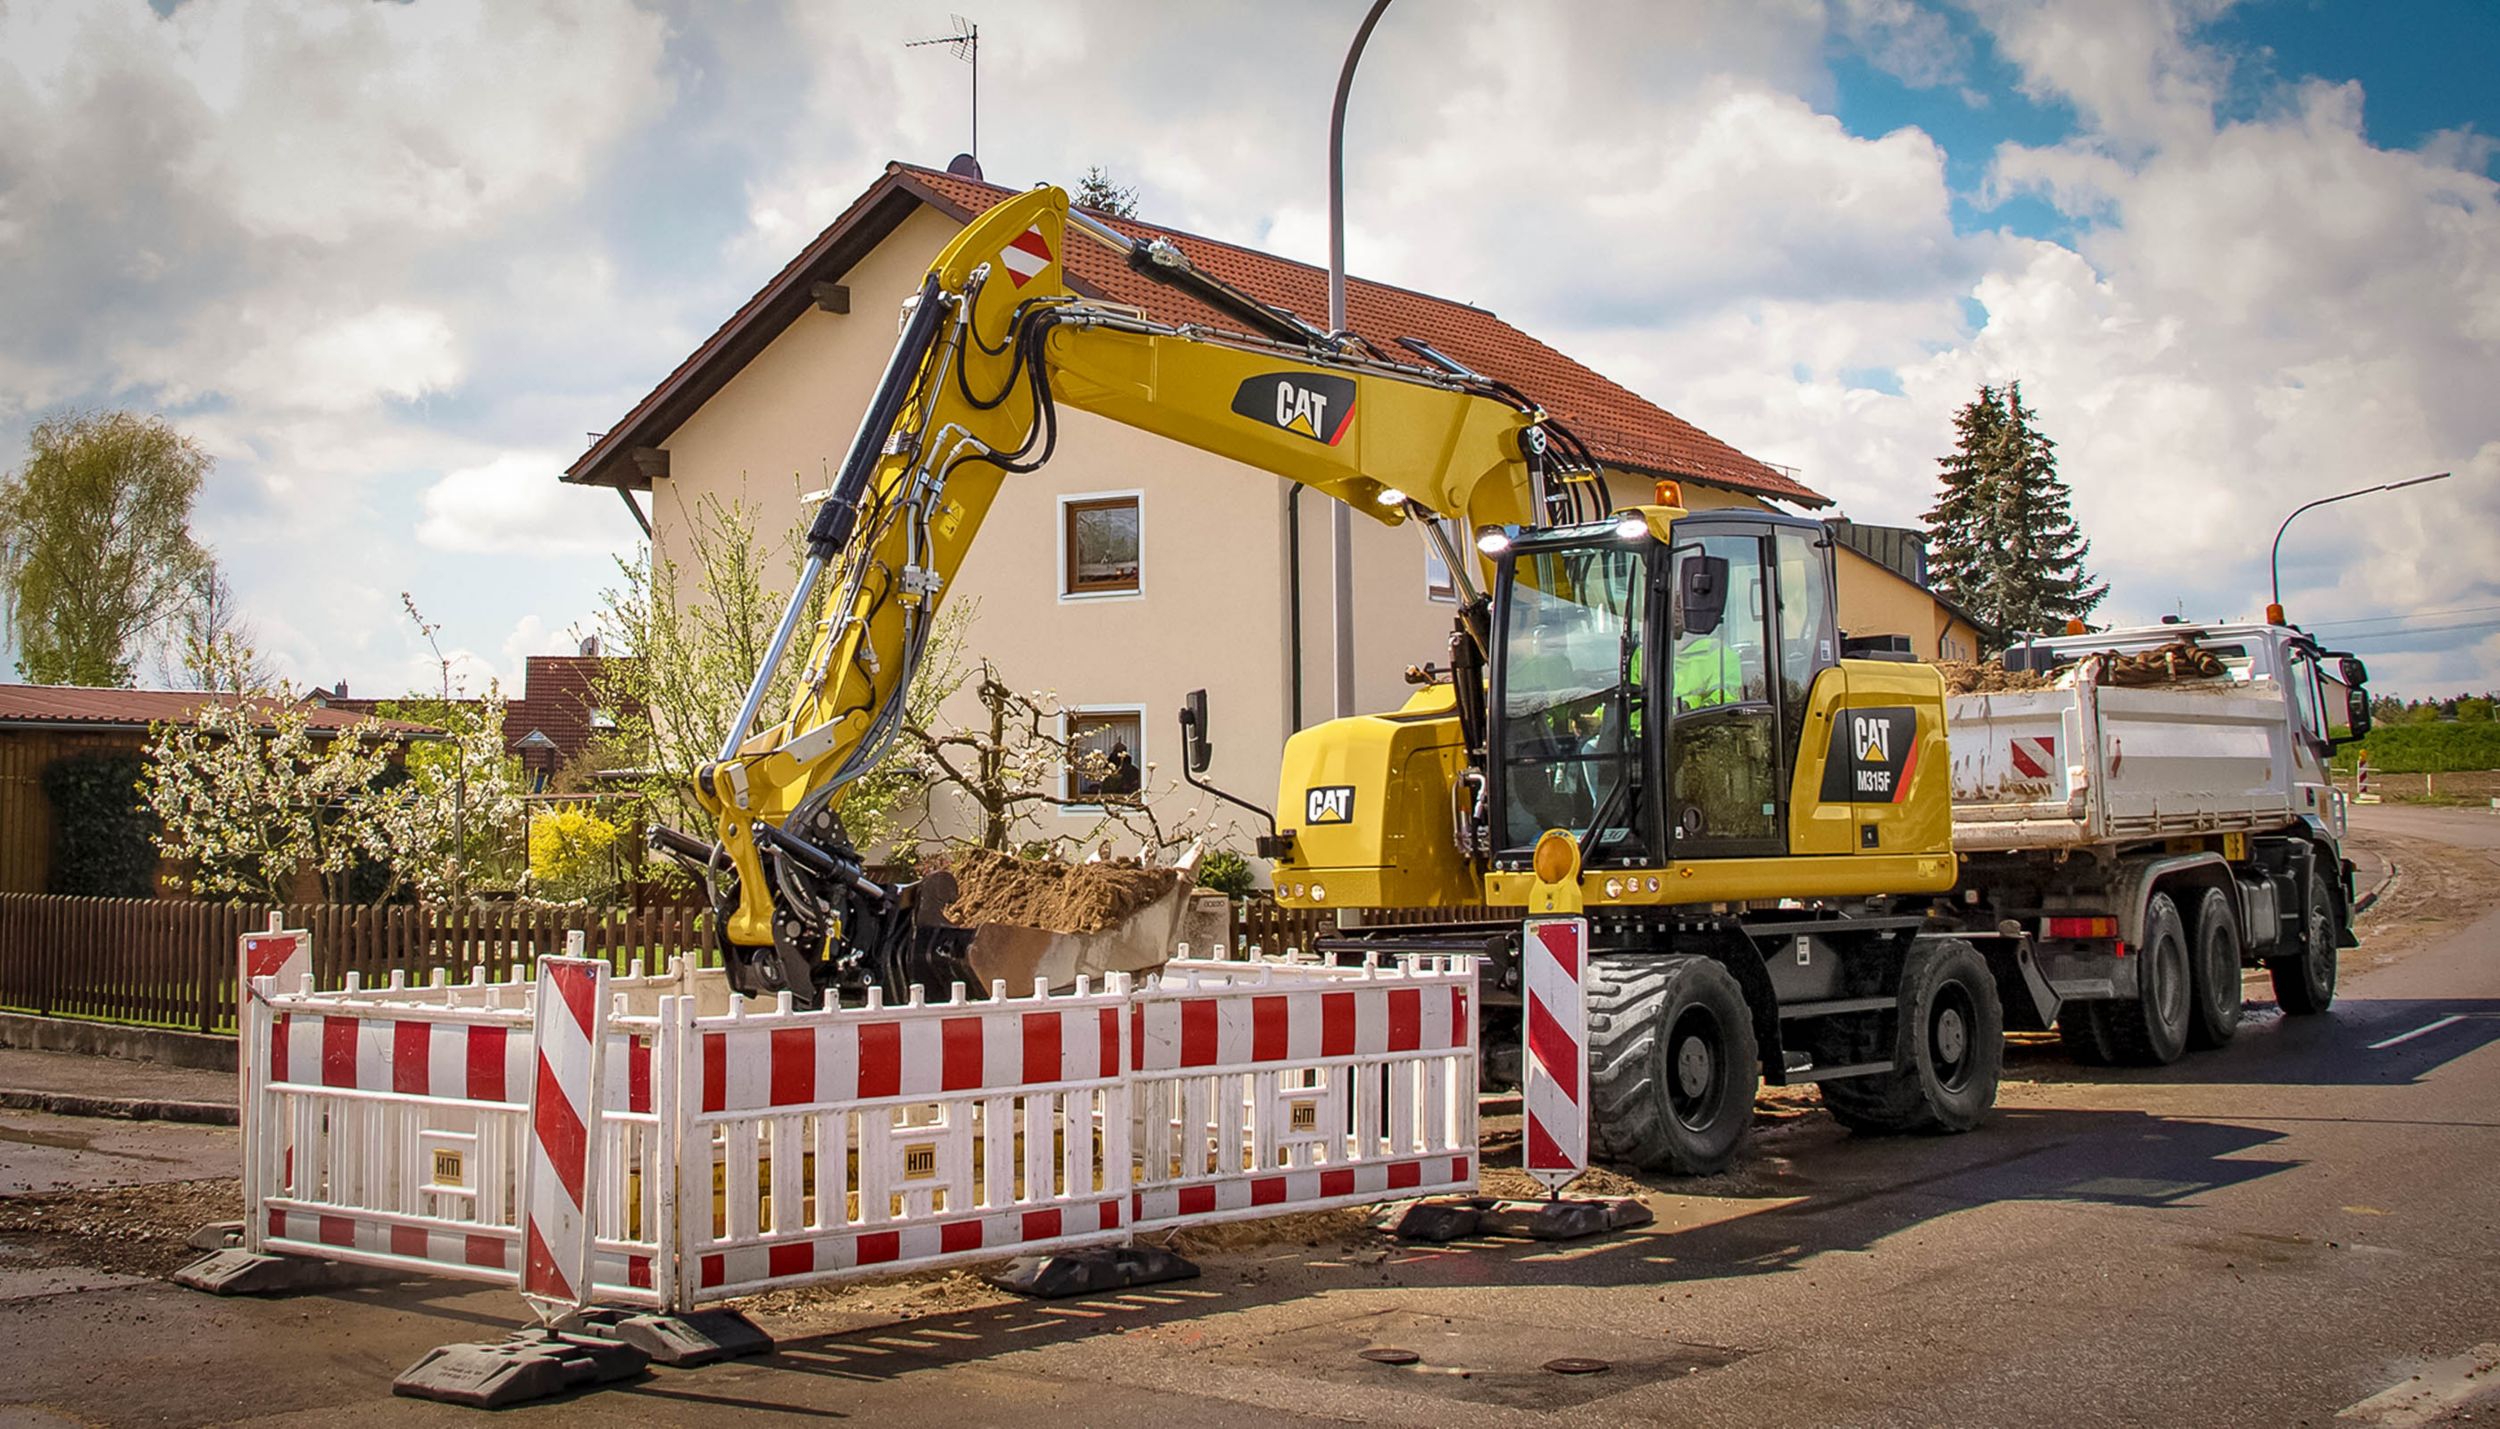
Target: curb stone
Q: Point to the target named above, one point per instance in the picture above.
(119, 1108)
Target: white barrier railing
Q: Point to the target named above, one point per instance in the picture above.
(1296, 1086)
(888, 1138)
(730, 1150)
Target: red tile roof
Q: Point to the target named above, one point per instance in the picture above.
(558, 695)
(1624, 428)
(137, 709)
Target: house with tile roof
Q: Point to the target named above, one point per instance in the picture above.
(43, 724)
(1131, 569)
(549, 724)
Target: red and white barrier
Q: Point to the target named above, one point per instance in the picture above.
(1296, 1086)
(1553, 958)
(887, 1138)
(588, 1138)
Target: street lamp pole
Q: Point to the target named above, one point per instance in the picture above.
(1340, 518)
(2274, 562)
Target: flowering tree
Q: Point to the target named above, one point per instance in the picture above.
(249, 798)
(453, 822)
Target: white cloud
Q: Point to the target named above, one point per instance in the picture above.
(510, 504)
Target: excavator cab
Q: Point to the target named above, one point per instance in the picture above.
(1649, 684)
(1668, 688)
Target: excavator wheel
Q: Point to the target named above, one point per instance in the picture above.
(1673, 1065)
(1948, 1048)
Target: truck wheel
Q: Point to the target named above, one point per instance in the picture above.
(1948, 1049)
(1672, 1063)
(2305, 982)
(2217, 972)
(2081, 1031)
(2151, 1028)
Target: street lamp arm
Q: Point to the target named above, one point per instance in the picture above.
(2274, 562)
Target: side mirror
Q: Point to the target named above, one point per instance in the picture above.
(1195, 750)
(1701, 593)
(2353, 673)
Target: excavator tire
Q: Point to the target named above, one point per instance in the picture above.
(2151, 1028)
(1948, 1049)
(1673, 1065)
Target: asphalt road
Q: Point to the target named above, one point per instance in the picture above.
(2261, 1236)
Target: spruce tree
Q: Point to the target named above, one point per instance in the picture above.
(2002, 539)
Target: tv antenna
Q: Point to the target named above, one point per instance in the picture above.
(966, 43)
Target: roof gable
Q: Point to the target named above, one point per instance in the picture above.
(113, 708)
(1622, 427)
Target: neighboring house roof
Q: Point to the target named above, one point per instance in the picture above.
(1624, 428)
(558, 701)
(1903, 551)
(86, 707)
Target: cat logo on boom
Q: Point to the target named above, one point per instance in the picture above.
(1316, 406)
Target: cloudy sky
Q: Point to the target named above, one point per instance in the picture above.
(391, 263)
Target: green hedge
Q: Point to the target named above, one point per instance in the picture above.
(2439, 748)
(103, 834)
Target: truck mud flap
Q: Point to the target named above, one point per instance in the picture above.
(2031, 1005)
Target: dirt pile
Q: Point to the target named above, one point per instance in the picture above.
(136, 1230)
(1045, 893)
(1966, 677)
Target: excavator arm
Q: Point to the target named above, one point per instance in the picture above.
(992, 344)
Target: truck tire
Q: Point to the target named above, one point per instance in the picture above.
(2084, 1035)
(1948, 1049)
(2304, 983)
(1673, 1064)
(2216, 937)
(2151, 1028)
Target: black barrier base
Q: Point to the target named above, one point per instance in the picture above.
(534, 1364)
(1093, 1271)
(240, 1272)
(700, 1338)
(1438, 1222)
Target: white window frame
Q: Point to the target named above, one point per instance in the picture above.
(1069, 718)
(1059, 574)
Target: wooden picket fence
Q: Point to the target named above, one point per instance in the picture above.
(169, 963)
(166, 963)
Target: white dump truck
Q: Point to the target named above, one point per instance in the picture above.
(2157, 820)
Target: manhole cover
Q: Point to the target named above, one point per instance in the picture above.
(1390, 1356)
(1570, 1365)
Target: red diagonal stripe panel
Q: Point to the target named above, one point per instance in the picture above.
(578, 985)
(559, 1129)
(1554, 1050)
(539, 1272)
(1560, 940)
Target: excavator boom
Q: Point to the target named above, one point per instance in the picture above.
(996, 338)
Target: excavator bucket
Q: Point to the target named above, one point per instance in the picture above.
(1018, 956)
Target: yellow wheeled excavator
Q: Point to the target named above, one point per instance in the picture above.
(1646, 714)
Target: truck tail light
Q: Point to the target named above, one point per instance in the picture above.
(2079, 929)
